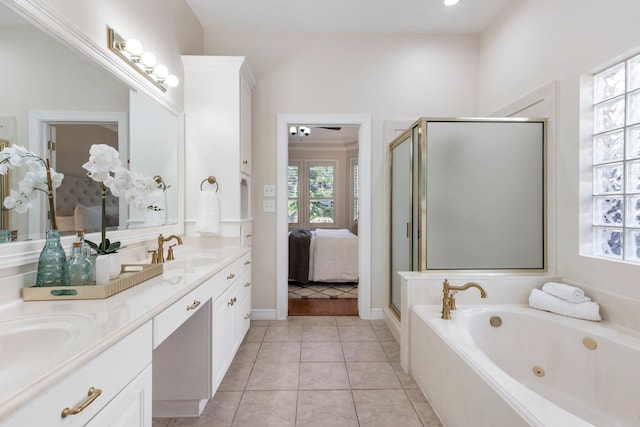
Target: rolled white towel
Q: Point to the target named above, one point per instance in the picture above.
(566, 292)
(584, 310)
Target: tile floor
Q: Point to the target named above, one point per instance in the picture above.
(315, 371)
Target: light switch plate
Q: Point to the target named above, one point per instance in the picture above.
(268, 206)
(269, 190)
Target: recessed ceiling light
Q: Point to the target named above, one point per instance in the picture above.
(450, 2)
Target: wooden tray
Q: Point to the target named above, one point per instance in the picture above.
(126, 280)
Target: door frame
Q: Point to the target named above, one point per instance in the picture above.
(363, 121)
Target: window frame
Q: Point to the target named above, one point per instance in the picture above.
(299, 165)
(619, 224)
(304, 199)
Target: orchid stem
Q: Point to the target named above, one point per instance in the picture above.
(103, 244)
(52, 208)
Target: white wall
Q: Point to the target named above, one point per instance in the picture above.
(540, 41)
(389, 76)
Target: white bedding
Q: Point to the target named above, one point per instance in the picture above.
(333, 256)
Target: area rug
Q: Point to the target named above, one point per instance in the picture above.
(322, 290)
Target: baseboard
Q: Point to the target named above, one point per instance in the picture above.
(393, 323)
(264, 314)
(178, 408)
(376, 313)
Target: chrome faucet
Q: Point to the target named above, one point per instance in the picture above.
(448, 293)
(157, 256)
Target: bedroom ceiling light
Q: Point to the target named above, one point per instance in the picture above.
(302, 131)
(145, 62)
(451, 2)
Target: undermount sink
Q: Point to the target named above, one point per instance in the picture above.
(189, 263)
(29, 343)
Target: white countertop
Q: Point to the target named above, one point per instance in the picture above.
(111, 319)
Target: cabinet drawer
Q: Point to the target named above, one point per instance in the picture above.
(170, 319)
(228, 276)
(110, 372)
(246, 235)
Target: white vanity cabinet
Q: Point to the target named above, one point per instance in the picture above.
(218, 134)
(122, 374)
(230, 320)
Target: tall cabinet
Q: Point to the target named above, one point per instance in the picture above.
(218, 137)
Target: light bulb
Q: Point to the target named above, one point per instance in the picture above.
(450, 2)
(161, 71)
(148, 59)
(171, 80)
(133, 46)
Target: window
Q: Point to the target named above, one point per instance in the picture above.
(355, 191)
(321, 194)
(311, 184)
(616, 161)
(293, 191)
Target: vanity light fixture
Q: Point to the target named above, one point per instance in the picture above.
(145, 62)
(451, 2)
(301, 131)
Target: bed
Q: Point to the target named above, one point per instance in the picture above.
(323, 255)
(78, 205)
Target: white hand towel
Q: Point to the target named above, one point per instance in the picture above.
(585, 310)
(566, 292)
(208, 219)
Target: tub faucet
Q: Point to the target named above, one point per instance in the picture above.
(158, 256)
(448, 293)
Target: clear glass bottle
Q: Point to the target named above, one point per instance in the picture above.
(79, 266)
(52, 264)
(85, 246)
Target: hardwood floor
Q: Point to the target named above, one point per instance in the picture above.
(323, 307)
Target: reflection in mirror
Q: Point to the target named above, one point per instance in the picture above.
(78, 204)
(48, 77)
(159, 139)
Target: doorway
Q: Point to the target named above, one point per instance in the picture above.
(323, 219)
(363, 123)
(42, 130)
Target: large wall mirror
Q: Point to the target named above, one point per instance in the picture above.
(52, 92)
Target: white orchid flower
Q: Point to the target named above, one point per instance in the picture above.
(18, 201)
(103, 159)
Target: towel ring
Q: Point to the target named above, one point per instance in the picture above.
(211, 180)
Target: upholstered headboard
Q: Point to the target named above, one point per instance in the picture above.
(80, 196)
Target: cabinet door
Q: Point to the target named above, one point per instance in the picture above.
(131, 407)
(245, 127)
(221, 330)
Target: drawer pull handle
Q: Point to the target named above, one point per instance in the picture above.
(248, 235)
(193, 306)
(232, 301)
(92, 395)
(230, 276)
(247, 262)
(246, 285)
(247, 316)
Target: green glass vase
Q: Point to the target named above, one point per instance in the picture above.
(52, 264)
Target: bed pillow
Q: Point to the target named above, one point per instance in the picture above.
(65, 223)
(87, 218)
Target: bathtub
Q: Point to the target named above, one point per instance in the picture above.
(535, 369)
